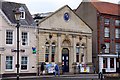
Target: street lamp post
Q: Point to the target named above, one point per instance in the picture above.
(17, 17)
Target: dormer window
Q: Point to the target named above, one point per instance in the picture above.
(22, 10)
(22, 15)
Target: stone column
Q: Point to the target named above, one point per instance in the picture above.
(74, 48)
(59, 47)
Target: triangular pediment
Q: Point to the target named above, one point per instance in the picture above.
(65, 19)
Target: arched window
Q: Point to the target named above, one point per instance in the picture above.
(47, 45)
(77, 52)
(53, 47)
(47, 49)
(53, 52)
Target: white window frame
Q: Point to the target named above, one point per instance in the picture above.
(106, 32)
(26, 42)
(117, 33)
(7, 63)
(26, 64)
(12, 37)
(107, 50)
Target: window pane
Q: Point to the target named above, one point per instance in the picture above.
(52, 58)
(9, 62)
(77, 50)
(24, 60)
(117, 31)
(106, 32)
(46, 57)
(47, 49)
(117, 22)
(9, 37)
(117, 47)
(104, 62)
(111, 62)
(107, 21)
(53, 49)
(77, 58)
(24, 38)
(107, 47)
(23, 67)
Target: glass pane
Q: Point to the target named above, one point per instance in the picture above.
(52, 58)
(111, 62)
(46, 57)
(107, 21)
(53, 49)
(117, 22)
(23, 67)
(9, 62)
(117, 31)
(106, 32)
(107, 47)
(104, 62)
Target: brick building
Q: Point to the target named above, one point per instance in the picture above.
(104, 19)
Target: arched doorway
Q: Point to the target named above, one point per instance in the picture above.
(65, 60)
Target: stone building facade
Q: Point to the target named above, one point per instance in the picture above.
(63, 38)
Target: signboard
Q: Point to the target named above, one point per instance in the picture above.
(50, 68)
(85, 69)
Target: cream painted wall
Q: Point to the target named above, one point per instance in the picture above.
(28, 49)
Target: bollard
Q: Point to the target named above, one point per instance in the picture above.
(101, 78)
(99, 75)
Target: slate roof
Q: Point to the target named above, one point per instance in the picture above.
(106, 7)
(8, 7)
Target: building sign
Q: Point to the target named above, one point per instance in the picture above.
(84, 68)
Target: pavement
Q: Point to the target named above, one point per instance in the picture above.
(63, 75)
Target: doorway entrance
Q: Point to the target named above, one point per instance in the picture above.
(65, 60)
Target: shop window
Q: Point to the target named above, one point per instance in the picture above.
(104, 62)
(111, 62)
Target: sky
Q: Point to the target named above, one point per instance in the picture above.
(43, 6)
